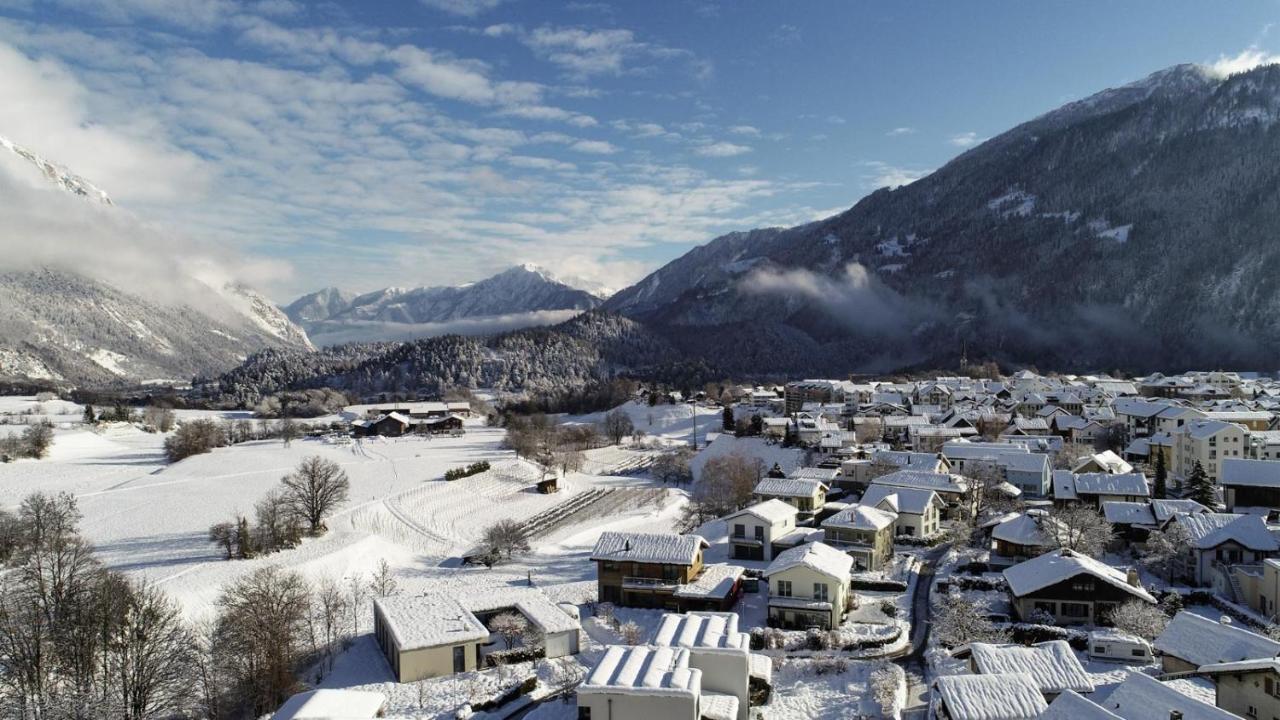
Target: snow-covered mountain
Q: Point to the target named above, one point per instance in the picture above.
(520, 296)
(64, 321)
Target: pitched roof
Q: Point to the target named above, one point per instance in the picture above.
(1055, 567)
(789, 487)
(817, 556)
(990, 697)
(942, 482)
(861, 517)
(1250, 473)
(657, 548)
(644, 670)
(1064, 485)
(1201, 641)
(1053, 665)
(1108, 484)
(1165, 509)
(1142, 697)
(912, 501)
(1121, 512)
(1071, 706)
(771, 511)
(1023, 529)
(1208, 530)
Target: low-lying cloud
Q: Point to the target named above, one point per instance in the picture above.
(337, 333)
(859, 301)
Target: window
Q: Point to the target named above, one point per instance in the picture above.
(784, 588)
(1075, 610)
(1138, 652)
(460, 659)
(1082, 585)
(1049, 607)
(609, 566)
(1099, 650)
(820, 591)
(760, 533)
(739, 530)
(584, 713)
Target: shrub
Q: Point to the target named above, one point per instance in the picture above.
(830, 665)
(889, 608)
(879, 585)
(472, 469)
(194, 438)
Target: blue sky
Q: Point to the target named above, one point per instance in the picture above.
(408, 142)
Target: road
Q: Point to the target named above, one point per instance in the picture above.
(912, 661)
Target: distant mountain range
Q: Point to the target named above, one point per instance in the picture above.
(520, 296)
(61, 324)
(1137, 228)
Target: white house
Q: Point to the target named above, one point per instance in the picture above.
(644, 683)
(809, 587)
(918, 510)
(716, 647)
(1218, 541)
(753, 530)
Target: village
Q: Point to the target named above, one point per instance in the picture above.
(955, 548)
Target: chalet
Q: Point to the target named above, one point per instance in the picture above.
(645, 569)
(1190, 641)
(1010, 696)
(1023, 535)
(809, 587)
(917, 511)
(1072, 588)
(1250, 484)
(753, 530)
(807, 496)
(866, 533)
(1217, 542)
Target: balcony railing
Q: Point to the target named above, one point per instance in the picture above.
(644, 583)
(744, 540)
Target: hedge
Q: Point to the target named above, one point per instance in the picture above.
(878, 585)
(526, 686)
(468, 471)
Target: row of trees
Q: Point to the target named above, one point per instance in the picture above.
(195, 437)
(297, 507)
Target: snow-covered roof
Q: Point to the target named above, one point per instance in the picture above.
(817, 556)
(771, 511)
(1208, 530)
(422, 621)
(716, 581)
(718, 706)
(1123, 512)
(1053, 665)
(653, 548)
(822, 475)
(912, 501)
(1071, 706)
(1201, 641)
(903, 458)
(329, 704)
(861, 517)
(1023, 529)
(1271, 664)
(702, 631)
(1024, 462)
(990, 697)
(643, 670)
(1108, 461)
(940, 482)
(1165, 509)
(964, 450)
(1250, 473)
(1109, 484)
(789, 487)
(1201, 429)
(536, 607)
(1055, 567)
(1142, 697)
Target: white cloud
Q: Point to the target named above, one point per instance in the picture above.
(899, 131)
(195, 14)
(594, 147)
(883, 174)
(721, 149)
(965, 139)
(745, 130)
(1246, 60)
(465, 8)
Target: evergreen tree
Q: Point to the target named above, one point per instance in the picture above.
(89, 417)
(1161, 490)
(728, 419)
(1200, 487)
(244, 539)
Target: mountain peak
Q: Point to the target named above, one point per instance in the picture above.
(57, 174)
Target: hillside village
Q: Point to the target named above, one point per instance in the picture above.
(957, 548)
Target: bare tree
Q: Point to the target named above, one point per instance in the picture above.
(1139, 618)
(223, 535)
(328, 613)
(673, 467)
(510, 627)
(568, 460)
(727, 482)
(289, 430)
(505, 538)
(193, 438)
(631, 633)
(617, 425)
(1079, 528)
(958, 620)
(315, 489)
(278, 525)
(151, 656)
(1164, 550)
(38, 438)
(261, 628)
(383, 583)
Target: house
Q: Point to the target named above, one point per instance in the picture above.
(1190, 641)
(1250, 483)
(645, 569)
(809, 587)
(1011, 696)
(1248, 688)
(328, 704)
(1264, 593)
(807, 496)
(753, 530)
(1103, 462)
(1207, 442)
(717, 588)
(390, 425)
(1218, 541)
(918, 510)
(953, 489)
(1142, 697)
(1096, 488)
(1029, 472)
(643, 683)
(1023, 535)
(1052, 666)
(1072, 706)
(717, 648)
(866, 533)
(433, 635)
(1071, 587)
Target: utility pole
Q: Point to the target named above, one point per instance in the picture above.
(694, 408)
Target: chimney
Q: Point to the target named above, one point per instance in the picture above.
(1132, 578)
